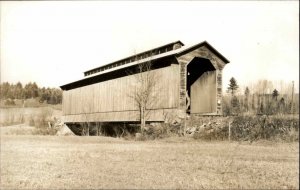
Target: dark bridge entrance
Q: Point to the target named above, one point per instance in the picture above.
(201, 86)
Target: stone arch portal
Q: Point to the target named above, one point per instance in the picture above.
(201, 86)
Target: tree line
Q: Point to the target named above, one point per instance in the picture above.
(261, 98)
(30, 90)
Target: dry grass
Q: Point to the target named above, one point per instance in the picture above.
(20, 129)
(51, 162)
(12, 116)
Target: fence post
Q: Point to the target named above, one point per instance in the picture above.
(229, 132)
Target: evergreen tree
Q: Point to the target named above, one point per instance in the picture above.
(253, 102)
(11, 92)
(19, 91)
(282, 105)
(235, 105)
(35, 90)
(233, 86)
(5, 88)
(30, 90)
(275, 94)
(261, 108)
(247, 93)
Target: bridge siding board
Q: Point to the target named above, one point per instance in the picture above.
(113, 96)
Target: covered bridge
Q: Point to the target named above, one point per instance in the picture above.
(189, 79)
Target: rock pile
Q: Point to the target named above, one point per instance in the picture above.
(62, 129)
(207, 128)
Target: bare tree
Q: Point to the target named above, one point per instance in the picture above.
(144, 91)
(98, 128)
(86, 124)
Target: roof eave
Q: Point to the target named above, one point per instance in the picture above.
(209, 46)
(160, 56)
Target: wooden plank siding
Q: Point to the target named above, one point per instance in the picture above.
(203, 94)
(107, 96)
(119, 116)
(110, 100)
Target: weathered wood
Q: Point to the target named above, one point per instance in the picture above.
(119, 116)
(115, 95)
(203, 93)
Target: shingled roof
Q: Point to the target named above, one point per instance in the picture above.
(153, 54)
(149, 53)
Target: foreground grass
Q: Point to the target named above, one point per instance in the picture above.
(49, 162)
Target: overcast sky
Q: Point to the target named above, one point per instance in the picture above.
(53, 42)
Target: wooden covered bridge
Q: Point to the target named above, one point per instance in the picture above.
(189, 79)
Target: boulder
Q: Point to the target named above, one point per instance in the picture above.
(201, 128)
(64, 131)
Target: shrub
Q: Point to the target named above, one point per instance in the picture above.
(263, 127)
(9, 102)
(21, 118)
(140, 137)
(253, 128)
(45, 131)
(161, 130)
(31, 121)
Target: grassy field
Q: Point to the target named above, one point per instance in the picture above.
(11, 116)
(52, 162)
